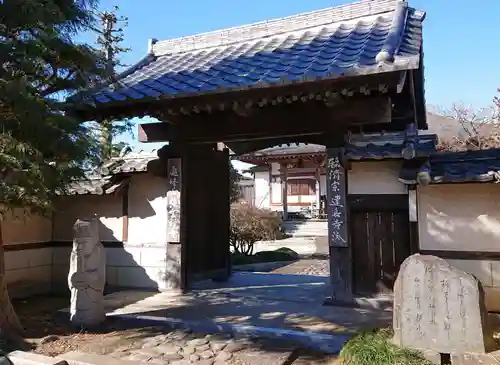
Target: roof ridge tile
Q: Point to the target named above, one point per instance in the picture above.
(237, 34)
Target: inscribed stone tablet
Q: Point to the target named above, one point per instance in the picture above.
(439, 307)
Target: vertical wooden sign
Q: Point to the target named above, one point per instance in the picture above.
(337, 206)
(174, 200)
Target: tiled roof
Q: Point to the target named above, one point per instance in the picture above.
(132, 162)
(365, 37)
(457, 167)
(375, 149)
(113, 175)
(96, 185)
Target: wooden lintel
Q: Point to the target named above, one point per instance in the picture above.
(155, 132)
(374, 110)
(281, 121)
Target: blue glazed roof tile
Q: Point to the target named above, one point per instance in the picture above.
(457, 167)
(330, 43)
(376, 149)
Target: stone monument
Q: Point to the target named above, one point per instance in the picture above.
(439, 308)
(87, 274)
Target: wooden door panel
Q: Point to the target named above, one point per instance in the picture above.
(380, 242)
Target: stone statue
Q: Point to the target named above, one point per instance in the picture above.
(87, 274)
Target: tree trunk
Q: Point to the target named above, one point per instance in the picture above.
(10, 326)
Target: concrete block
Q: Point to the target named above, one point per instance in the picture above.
(13, 276)
(61, 255)
(81, 358)
(139, 277)
(16, 260)
(40, 257)
(29, 358)
(59, 274)
(111, 275)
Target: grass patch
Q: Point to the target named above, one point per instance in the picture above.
(375, 348)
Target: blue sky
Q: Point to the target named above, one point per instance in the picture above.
(460, 37)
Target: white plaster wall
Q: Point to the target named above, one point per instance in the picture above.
(322, 184)
(19, 227)
(27, 271)
(464, 217)
(459, 217)
(147, 210)
(375, 177)
(107, 207)
(276, 191)
(262, 189)
(141, 262)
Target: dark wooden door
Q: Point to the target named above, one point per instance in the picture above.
(207, 232)
(380, 241)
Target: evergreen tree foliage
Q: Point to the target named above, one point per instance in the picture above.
(42, 148)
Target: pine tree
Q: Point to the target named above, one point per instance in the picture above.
(42, 148)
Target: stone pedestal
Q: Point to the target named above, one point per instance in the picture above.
(87, 274)
(439, 308)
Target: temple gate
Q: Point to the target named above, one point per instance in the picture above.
(316, 78)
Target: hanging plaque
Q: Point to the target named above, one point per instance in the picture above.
(174, 200)
(336, 194)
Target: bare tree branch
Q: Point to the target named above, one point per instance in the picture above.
(477, 129)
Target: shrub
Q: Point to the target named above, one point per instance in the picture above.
(249, 225)
(272, 256)
(288, 251)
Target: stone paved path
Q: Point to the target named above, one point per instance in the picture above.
(316, 267)
(317, 264)
(184, 348)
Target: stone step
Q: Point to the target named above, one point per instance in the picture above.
(30, 358)
(82, 358)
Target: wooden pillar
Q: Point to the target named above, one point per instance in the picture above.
(413, 218)
(338, 232)
(173, 265)
(284, 190)
(219, 212)
(169, 166)
(318, 189)
(270, 184)
(205, 213)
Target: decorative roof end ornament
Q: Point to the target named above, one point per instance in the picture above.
(496, 176)
(151, 43)
(424, 175)
(391, 45)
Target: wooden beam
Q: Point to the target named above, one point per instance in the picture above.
(155, 132)
(286, 121)
(283, 121)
